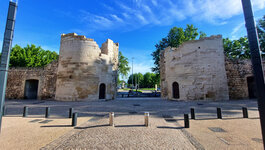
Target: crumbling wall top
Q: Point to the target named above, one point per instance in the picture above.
(74, 35)
(213, 37)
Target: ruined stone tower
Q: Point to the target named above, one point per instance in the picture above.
(85, 71)
(194, 71)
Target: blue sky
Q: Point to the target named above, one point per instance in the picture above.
(136, 24)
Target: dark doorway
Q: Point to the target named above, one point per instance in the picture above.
(102, 91)
(175, 89)
(252, 89)
(31, 89)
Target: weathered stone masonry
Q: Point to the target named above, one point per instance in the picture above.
(198, 70)
(46, 76)
(83, 67)
(84, 72)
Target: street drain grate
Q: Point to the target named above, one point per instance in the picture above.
(132, 112)
(170, 120)
(136, 105)
(216, 129)
(167, 116)
(257, 140)
(46, 121)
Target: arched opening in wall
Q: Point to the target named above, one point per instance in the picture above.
(175, 90)
(102, 91)
(252, 89)
(31, 89)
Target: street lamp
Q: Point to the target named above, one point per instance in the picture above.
(256, 61)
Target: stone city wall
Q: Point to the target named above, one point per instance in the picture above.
(237, 73)
(46, 76)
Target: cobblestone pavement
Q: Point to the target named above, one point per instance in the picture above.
(128, 133)
(166, 130)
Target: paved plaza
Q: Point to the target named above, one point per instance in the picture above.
(165, 131)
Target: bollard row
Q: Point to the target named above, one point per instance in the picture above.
(219, 113)
(146, 115)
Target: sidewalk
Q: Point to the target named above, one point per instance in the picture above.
(33, 133)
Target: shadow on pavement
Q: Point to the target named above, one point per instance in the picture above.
(167, 127)
(96, 126)
(50, 126)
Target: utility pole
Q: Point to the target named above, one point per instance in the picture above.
(7, 44)
(132, 72)
(256, 61)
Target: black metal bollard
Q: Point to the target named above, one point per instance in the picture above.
(219, 113)
(192, 113)
(186, 121)
(245, 112)
(47, 113)
(71, 110)
(74, 119)
(25, 111)
(4, 111)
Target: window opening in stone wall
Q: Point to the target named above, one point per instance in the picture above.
(31, 89)
(175, 89)
(102, 91)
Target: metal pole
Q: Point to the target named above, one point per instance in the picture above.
(219, 113)
(192, 113)
(7, 44)
(25, 111)
(74, 119)
(256, 61)
(71, 110)
(47, 113)
(186, 121)
(132, 73)
(245, 112)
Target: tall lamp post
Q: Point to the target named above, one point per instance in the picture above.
(132, 72)
(7, 44)
(256, 61)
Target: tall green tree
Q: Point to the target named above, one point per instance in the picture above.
(175, 38)
(123, 68)
(236, 49)
(137, 79)
(31, 56)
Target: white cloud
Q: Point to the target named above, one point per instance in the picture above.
(166, 12)
(234, 33)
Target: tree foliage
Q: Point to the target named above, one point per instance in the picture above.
(235, 49)
(148, 80)
(239, 49)
(31, 56)
(261, 33)
(175, 38)
(123, 68)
